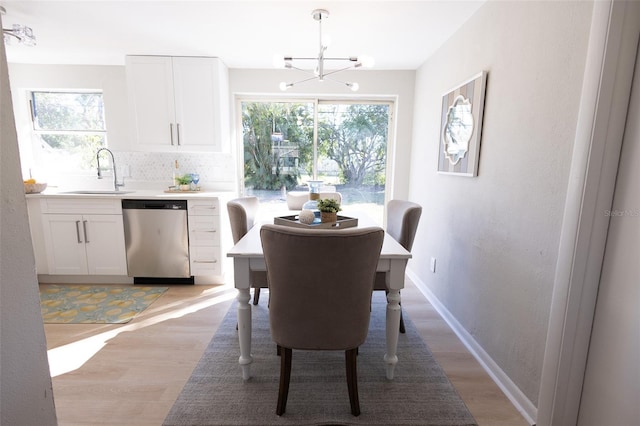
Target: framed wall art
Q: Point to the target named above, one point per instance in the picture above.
(461, 127)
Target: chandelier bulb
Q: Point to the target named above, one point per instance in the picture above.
(353, 86)
(284, 85)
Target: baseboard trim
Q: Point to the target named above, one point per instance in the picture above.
(515, 395)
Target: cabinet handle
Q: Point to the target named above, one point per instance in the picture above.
(205, 230)
(78, 231)
(178, 133)
(205, 261)
(84, 228)
(171, 132)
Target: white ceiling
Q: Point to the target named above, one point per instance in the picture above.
(399, 35)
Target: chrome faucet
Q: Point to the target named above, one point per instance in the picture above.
(116, 185)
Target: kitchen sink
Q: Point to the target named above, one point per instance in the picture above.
(97, 191)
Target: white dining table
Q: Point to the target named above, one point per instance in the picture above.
(248, 256)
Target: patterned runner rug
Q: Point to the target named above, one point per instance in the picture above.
(89, 304)
(419, 394)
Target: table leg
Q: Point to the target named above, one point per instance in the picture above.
(393, 327)
(244, 332)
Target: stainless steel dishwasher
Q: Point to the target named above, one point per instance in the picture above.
(156, 239)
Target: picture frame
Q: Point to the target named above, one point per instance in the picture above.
(461, 127)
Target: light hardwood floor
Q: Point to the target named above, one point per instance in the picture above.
(131, 374)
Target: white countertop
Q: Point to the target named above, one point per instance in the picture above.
(133, 194)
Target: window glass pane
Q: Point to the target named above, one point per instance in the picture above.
(278, 147)
(68, 111)
(69, 128)
(70, 153)
(352, 152)
(280, 153)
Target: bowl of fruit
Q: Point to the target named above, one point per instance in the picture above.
(33, 187)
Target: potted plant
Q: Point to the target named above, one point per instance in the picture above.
(184, 182)
(329, 209)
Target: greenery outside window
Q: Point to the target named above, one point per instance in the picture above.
(68, 129)
(344, 144)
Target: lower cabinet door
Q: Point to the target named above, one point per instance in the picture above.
(84, 244)
(64, 241)
(104, 243)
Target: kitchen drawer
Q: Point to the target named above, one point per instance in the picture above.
(206, 207)
(81, 205)
(204, 231)
(205, 261)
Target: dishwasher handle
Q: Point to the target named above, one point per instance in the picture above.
(154, 204)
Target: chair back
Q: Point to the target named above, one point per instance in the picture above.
(402, 221)
(242, 215)
(320, 285)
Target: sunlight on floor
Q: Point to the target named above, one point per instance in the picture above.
(72, 356)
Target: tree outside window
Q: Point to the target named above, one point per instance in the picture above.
(350, 152)
(68, 130)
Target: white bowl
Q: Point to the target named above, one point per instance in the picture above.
(34, 188)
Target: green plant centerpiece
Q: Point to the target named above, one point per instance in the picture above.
(183, 182)
(329, 209)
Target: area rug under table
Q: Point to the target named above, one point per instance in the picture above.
(419, 394)
(88, 304)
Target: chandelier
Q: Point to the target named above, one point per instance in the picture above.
(18, 34)
(320, 73)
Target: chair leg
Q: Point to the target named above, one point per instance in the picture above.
(256, 295)
(351, 360)
(285, 377)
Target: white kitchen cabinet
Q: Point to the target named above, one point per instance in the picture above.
(205, 256)
(80, 241)
(178, 103)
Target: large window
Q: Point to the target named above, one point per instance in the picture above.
(68, 130)
(343, 144)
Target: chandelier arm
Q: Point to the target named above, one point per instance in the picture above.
(337, 81)
(292, 58)
(301, 69)
(350, 59)
(336, 71)
(305, 80)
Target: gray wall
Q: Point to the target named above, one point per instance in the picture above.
(496, 236)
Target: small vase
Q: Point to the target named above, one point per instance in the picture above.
(328, 217)
(184, 187)
(314, 196)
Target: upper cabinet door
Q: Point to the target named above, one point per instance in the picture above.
(196, 87)
(178, 103)
(151, 99)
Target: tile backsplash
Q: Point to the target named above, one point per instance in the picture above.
(154, 170)
(159, 166)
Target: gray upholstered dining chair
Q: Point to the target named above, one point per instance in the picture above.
(402, 222)
(242, 216)
(320, 286)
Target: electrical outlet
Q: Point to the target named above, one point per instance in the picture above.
(432, 266)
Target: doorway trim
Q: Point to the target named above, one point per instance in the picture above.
(601, 119)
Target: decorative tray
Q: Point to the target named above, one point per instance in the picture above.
(341, 223)
(178, 191)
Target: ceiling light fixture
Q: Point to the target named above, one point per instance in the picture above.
(320, 72)
(19, 34)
